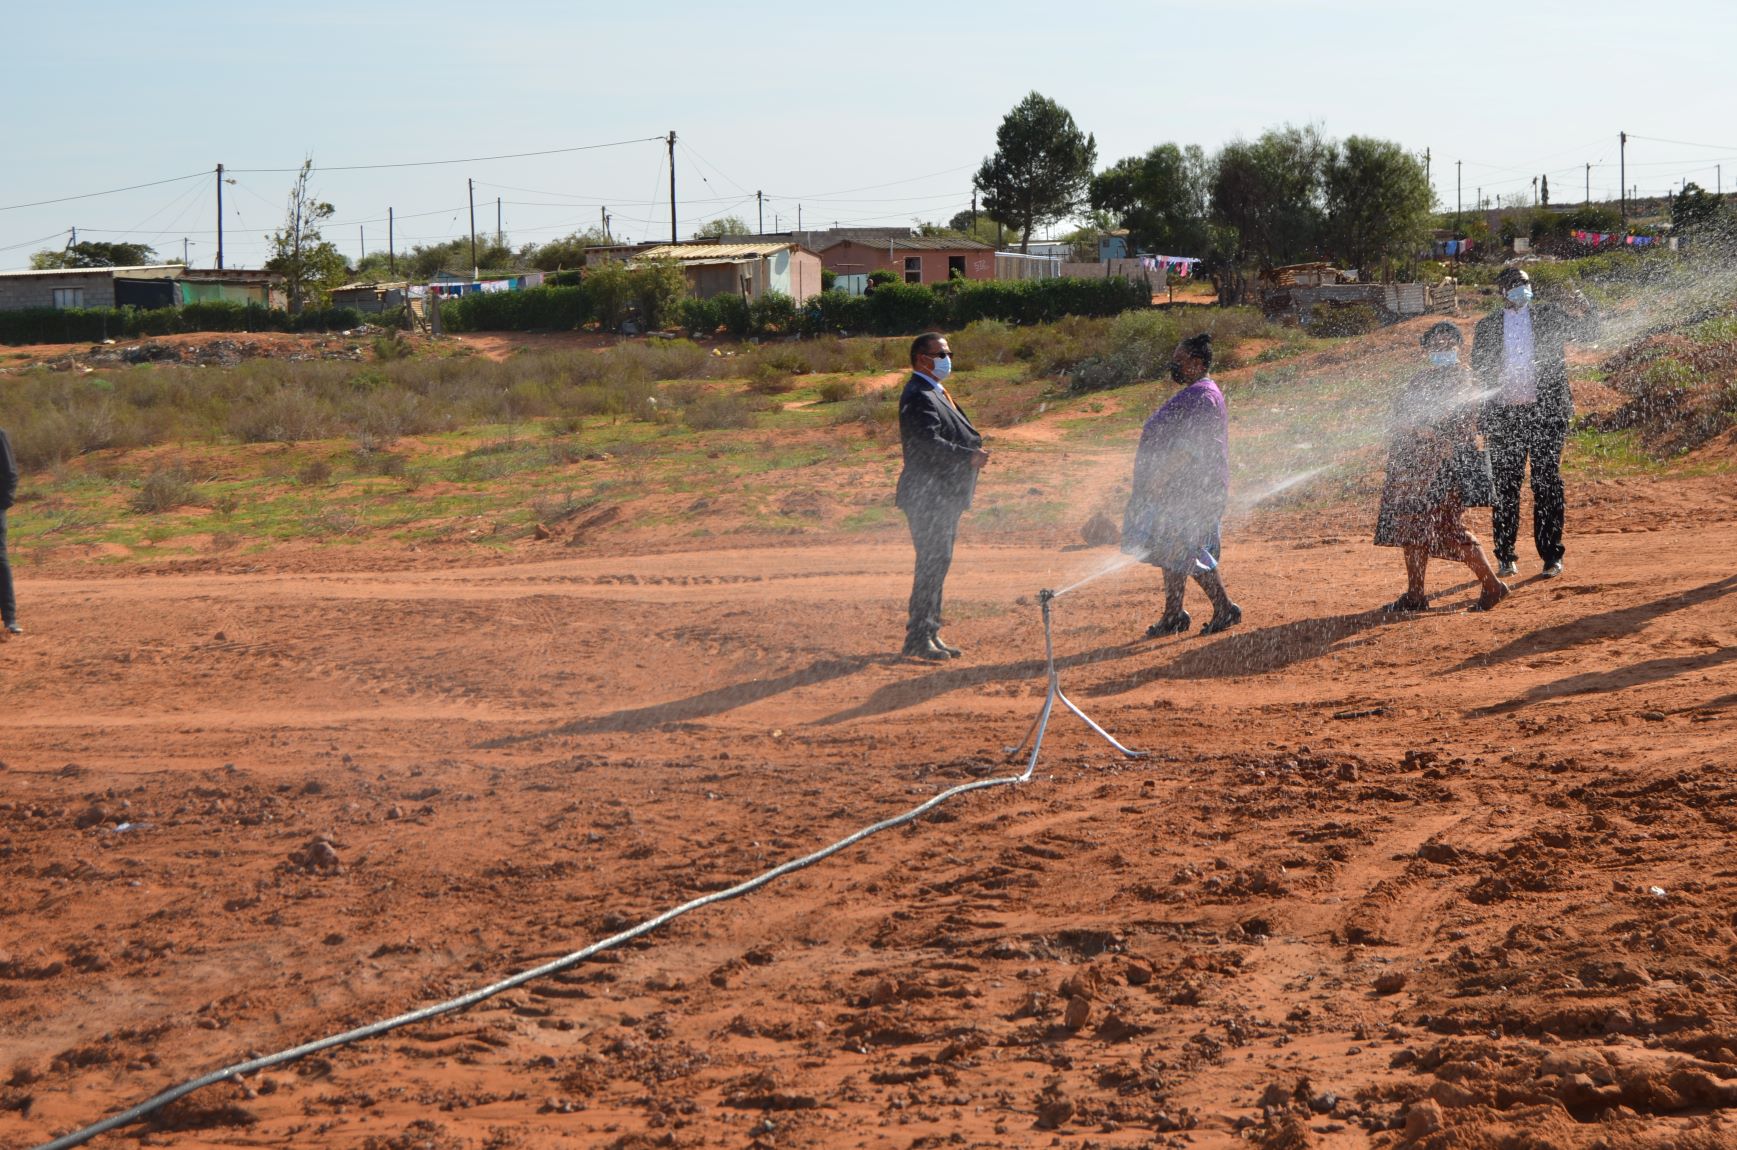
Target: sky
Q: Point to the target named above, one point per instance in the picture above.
(851, 114)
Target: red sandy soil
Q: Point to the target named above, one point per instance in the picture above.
(1463, 871)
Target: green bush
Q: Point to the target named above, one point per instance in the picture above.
(828, 277)
(832, 312)
(700, 316)
(734, 315)
(883, 276)
(89, 325)
(774, 313)
(896, 309)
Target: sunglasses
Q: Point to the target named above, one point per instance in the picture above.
(939, 354)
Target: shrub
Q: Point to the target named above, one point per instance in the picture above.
(734, 315)
(287, 415)
(831, 312)
(836, 390)
(882, 276)
(774, 313)
(828, 277)
(163, 491)
(714, 412)
(897, 308)
(657, 289)
(314, 473)
(700, 316)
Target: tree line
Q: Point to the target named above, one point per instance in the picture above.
(1289, 196)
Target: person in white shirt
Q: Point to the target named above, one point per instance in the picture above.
(1520, 362)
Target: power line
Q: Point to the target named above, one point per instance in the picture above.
(1684, 143)
(461, 160)
(110, 192)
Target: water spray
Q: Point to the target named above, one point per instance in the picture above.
(1034, 736)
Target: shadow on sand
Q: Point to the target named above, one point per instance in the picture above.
(1589, 627)
(706, 703)
(1604, 682)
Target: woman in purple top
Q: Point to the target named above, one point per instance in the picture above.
(1181, 487)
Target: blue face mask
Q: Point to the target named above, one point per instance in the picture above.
(1520, 294)
(1444, 358)
(942, 369)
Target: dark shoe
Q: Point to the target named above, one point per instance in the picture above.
(925, 648)
(1551, 570)
(1407, 605)
(1170, 625)
(1223, 621)
(1507, 569)
(952, 651)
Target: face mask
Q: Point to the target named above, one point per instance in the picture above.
(1176, 373)
(1520, 294)
(1444, 358)
(942, 369)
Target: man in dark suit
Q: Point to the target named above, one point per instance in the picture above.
(943, 454)
(8, 490)
(1522, 369)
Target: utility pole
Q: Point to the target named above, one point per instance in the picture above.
(184, 251)
(1589, 185)
(603, 220)
(391, 243)
(500, 236)
(220, 216)
(1622, 172)
(1425, 177)
(973, 209)
(361, 243)
(475, 271)
(1534, 191)
(760, 199)
(1458, 207)
(799, 217)
(672, 195)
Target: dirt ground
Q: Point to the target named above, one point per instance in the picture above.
(1451, 880)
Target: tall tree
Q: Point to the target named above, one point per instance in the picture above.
(1266, 205)
(1378, 203)
(310, 266)
(1161, 198)
(1041, 167)
(1692, 207)
(95, 254)
(1544, 190)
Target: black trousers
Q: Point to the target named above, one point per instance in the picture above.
(1518, 437)
(8, 603)
(933, 531)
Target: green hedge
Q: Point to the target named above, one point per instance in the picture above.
(89, 325)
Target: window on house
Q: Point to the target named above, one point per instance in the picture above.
(913, 269)
(68, 297)
(955, 267)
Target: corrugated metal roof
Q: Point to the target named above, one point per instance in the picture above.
(730, 252)
(92, 271)
(919, 244)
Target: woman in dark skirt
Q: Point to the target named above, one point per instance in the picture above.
(1435, 470)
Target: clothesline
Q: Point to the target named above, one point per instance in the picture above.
(1183, 265)
(475, 287)
(1599, 239)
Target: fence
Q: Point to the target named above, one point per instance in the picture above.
(1020, 266)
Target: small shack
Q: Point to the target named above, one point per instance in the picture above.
(750, 269)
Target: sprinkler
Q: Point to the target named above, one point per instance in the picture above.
(1034, 736)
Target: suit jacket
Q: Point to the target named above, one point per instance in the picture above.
(8, 472)
(939, 442)
(1551, 329)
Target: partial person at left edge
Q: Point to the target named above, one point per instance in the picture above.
(8, 493)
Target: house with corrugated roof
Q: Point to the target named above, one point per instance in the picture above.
(749, 268)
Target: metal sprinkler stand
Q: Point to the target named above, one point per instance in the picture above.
(1034, 736)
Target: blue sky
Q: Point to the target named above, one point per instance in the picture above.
(859, 113)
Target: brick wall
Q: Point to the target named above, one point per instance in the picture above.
(25, 291)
